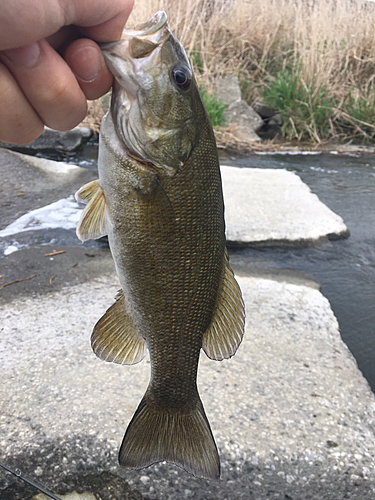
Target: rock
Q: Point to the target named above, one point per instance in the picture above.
(275, 208)
(263, 110)
(276, 120)
(270, 130)
(227, 89)
(291, 388)
(53, 140)
(272, 121)
(75, 265)
(238, 112)
(263, 207)
(28, 183)
(247, 120)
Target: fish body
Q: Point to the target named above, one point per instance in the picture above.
(159, 199)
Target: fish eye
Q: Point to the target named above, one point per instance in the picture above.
(182, 77)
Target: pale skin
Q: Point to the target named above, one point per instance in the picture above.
(50, 62)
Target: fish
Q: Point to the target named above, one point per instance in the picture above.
(159, 199)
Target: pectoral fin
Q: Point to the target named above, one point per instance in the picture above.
(93, 222)
(115, 337)
(224, 335)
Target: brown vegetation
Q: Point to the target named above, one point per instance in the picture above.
(325, 47)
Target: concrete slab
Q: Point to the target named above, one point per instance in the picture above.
(28, 182)
(292, 415)
(275, 208)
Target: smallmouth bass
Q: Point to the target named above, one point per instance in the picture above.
(159, 199)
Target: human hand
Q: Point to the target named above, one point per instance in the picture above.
(38, 85)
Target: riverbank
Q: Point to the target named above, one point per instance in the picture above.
(307, 58)
(229, 139)
(305, 61)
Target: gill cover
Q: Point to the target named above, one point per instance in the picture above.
(153, 95)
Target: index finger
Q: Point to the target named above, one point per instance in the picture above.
(101, 20)
(111, 29)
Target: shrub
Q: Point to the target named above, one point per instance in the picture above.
(215, 108)
(305, 109)
(358, 114)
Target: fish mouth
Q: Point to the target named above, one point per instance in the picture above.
(129, 58)
(141, 63)
(148, 28)
(138, 42)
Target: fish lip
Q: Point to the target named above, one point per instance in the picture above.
(146, 29)
(119, 53)
(129, 71)
(154, 24)
(155, 30)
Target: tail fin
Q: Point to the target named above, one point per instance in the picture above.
(184, 439)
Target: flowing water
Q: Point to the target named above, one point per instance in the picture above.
(344, 268)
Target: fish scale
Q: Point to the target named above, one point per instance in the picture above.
(159, 199)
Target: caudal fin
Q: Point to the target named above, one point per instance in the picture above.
(183, 439)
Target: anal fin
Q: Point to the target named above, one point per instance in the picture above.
(93, 222)
(115, 337)
(224, 335)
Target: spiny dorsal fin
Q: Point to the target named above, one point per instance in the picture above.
(224, 335)
(115, 337)
(93, 220)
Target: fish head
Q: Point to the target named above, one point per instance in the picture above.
(155, 96)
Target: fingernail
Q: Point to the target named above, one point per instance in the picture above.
(24, 57)
(86, 63)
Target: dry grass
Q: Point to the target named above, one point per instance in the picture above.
(330, 37)
(230, 138)
(329, 44)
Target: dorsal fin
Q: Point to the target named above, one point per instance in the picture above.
(115, 337)
(93, 222)
(224, 335)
